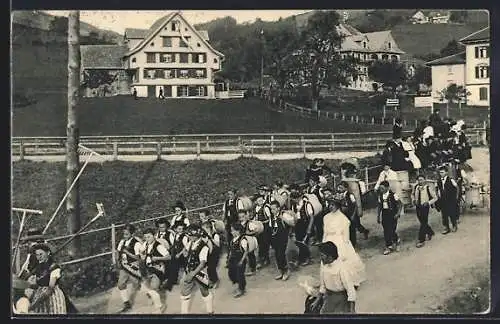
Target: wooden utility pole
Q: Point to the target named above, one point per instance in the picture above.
(72, 130)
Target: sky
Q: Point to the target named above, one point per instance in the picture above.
(119, 20)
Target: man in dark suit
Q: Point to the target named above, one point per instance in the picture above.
(447, 191)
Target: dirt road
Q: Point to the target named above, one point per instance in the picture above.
(410, 281)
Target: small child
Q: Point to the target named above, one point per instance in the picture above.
(237, 259)
(23, 304)
(314, 300)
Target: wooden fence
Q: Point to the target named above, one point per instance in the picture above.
(198, 144)
(274, 104)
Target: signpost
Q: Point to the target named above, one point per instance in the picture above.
(391, 103)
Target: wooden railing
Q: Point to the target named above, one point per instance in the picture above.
(198, 144)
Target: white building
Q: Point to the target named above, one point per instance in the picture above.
(477, 67)
(419, 18)
(368, 47)
(171, 57)
(445, 71)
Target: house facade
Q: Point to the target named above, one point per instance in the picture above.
(477, 67)
(172, 57)
(445, 71)
(368, 47)
(419, 18)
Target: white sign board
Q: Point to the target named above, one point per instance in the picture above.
(392, 102)
(421, 102)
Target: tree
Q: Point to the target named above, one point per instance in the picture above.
(422, 75)
(391, 74)
(453, 47)
(317, 61)
(72, 158)
(451, 94)
(94, 78)
(277, 49)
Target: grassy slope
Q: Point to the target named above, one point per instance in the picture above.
(429, 38)
(134, 191)
(126, 116)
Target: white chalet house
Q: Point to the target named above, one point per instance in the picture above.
(172, 57)
(368, 48)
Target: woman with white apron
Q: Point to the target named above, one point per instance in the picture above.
(410, 149)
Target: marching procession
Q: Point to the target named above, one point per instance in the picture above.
(324, 213)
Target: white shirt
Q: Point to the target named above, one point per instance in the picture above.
(179, 217)
(389, 175)
(243, 243)
(160, 248)
(216, 239)
(336, 278)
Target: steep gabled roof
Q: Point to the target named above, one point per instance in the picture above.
(159, 24)
(348, 44)
(378, 40)
(135, 33)
(102, 56)
(204, 35)
(480, 35)
(448, 60)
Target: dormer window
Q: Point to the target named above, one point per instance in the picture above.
(364, 44)
(389, 45)
(175, 26)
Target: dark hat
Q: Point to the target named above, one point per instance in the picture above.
(34, 234)
(263, 187)
(195, 230)
(328, 248)
(320, 162)
(179, 204)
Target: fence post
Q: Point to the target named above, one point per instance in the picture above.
(366, 177)
(113, 244)
(483, 138)
(478, 138)
(416, 123)
(327, 115)
(198, 150)
(383, 120)
(251, 147)
(272, 144)
(115, 151)
(17, 261)
(334, 115)
(373, 120)
(240, 145)
(158, 151)
(352, 119)
(357, 119)
(142, 145)
(207, 145)
(303, 145)
(21, 150)
(343, 117)
(173, 144)
(333, 142)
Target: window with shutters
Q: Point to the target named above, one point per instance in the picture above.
(167, 58)
(183, 58)
(482, 72)
(159, 74)
(168, 74)
(198, 58)
(167, 41)
(483, 93)
(150, 58)
(149, 74)
(183, 74)
(482, 52)
(182, 91)
(200, 74)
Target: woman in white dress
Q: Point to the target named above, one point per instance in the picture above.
(336, 230)
(410, 149)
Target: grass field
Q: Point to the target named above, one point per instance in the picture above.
(126, 116)
(134, 191)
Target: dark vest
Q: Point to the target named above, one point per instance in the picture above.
(231, 213)
(156, 266)
(448, 196)
(391, 201)
(129, 248)
(193, 258)
(178, 245)
(261, 215)
(277, 225)
(43, 271)
(347, 206)
(235, 250)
